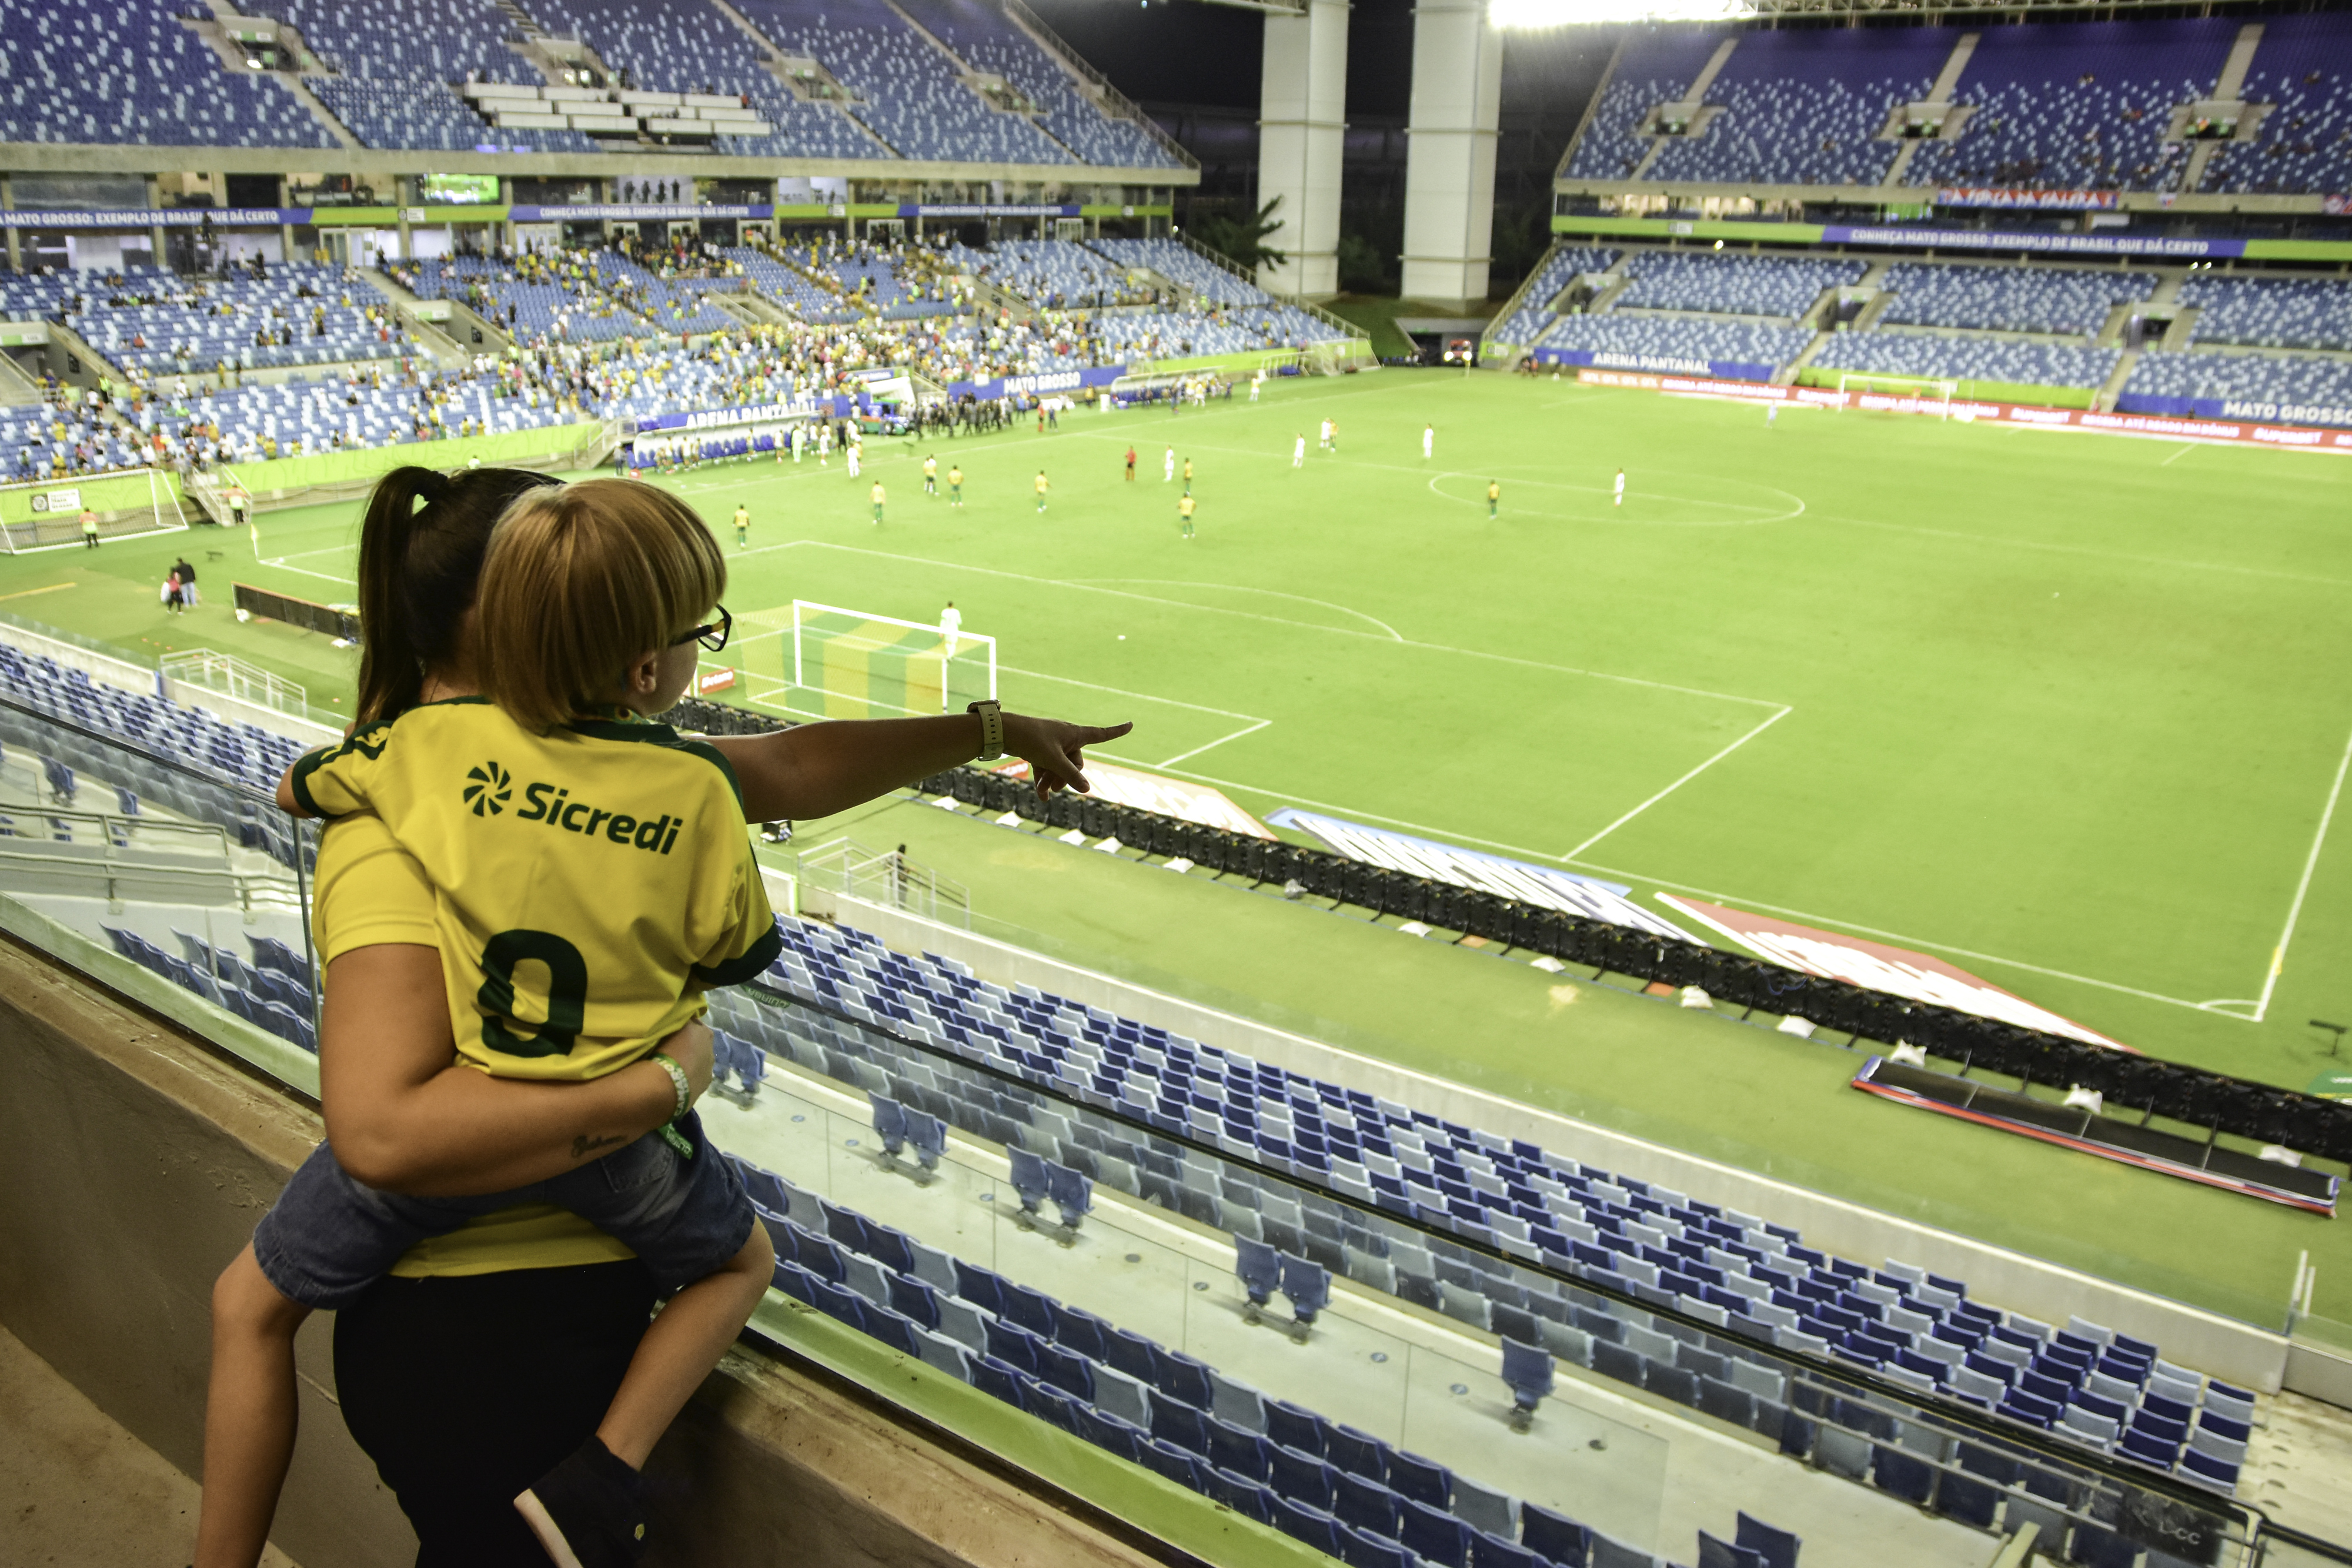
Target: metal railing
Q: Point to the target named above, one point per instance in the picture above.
(232, 676)
(887, 877)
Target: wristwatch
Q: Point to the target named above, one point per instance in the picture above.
(991, 727)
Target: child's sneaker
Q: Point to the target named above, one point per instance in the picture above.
(588, 1512)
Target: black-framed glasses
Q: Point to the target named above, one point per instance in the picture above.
(712, 636)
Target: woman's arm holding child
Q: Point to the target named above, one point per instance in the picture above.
(405, 1116)
(817, 769)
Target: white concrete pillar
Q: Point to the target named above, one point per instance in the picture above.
(1302, 114)
(1449, 180)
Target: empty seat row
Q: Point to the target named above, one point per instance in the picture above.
(1343, 1491)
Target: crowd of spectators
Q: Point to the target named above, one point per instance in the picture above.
(625, 332)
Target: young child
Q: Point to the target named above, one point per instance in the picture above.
(590, 876)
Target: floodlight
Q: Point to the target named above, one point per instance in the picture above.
(1562, 13)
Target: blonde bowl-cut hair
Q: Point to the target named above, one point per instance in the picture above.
(580, 582)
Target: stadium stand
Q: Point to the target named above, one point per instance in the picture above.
(990, 41)
(1731, 284)
(1176, 262)
(1920, 1330)
(788, 286)
(393, 65)
(413, 41)
(1679, 343)
(1328, 1485)
(686, 47)
(1806, 108)
(1060, 275)
(242, 755)
(129, 72)
(1184, 333)
(297, 417)
(535, 297)
(1527, 323)
(910, 93)
(2269, 312)
(898, 282)
(2071, 300)
(2303, 68)
(54, 442)
(2306, 389)
(1576, 1219)
(296, 313)
(2077, 106)
(1655, 70)
(1951, 357)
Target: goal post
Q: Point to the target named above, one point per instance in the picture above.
(46, 514)
(851, 664)
(1929, 394)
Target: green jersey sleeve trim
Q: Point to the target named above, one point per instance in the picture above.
(358, 745)
(750, 967)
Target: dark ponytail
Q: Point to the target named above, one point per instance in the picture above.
(421, 548)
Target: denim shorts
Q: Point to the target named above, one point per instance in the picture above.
(327, 1238)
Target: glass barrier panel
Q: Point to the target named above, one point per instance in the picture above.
(1043, 1258)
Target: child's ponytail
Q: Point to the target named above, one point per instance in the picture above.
(421, 548)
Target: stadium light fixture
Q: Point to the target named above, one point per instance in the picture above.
(1567, 12)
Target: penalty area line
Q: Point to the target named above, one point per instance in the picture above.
(1677, 784)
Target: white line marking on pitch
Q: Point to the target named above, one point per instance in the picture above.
(279, 563)
(1283, 621)
(1251, 726)
(2176, 457)
(1677, 784)
(1184, 756)
(1394, 635)
(2310, 865)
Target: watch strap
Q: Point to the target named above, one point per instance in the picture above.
(992, 728)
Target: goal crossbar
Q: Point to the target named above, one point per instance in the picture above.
(39, 515)
(865, 633)
(1929, 391)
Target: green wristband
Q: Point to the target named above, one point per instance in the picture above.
(678, 1081)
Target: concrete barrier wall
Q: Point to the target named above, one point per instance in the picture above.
(2235, 1352)
(134, 1163)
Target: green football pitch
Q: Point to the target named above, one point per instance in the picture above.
(2065, 710)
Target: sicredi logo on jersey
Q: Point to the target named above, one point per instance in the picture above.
(489, 789)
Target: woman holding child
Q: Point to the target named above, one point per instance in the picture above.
(492, 1345)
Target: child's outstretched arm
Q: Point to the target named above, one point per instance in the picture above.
(817, 769)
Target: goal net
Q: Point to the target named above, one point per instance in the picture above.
(45, 515)
(848, 664)
(1914, 394)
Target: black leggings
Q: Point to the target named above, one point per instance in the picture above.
(463, 1391)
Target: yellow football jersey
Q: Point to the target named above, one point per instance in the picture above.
(588, 883)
